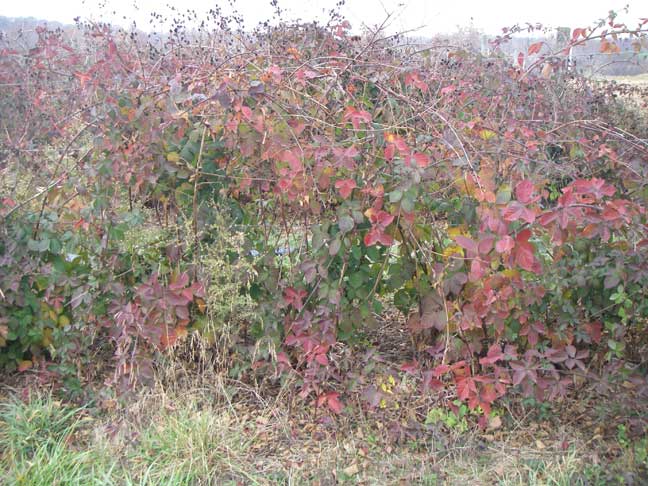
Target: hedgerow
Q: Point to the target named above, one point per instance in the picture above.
(497, 207)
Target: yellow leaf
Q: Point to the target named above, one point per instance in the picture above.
(457, 231)
(63, 321)
(486, 134)
(452, 250)
(202, 306)
(47, 338)
(173, 157)
(24, 365)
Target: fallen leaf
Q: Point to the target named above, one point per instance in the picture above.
(352, 470)
(24, 365)
(494, 422)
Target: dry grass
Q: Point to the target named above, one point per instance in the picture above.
(639, 79)
(191, 430)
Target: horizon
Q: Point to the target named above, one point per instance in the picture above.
(418, 17)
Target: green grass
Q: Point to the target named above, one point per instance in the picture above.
(45, 443)
(37, 445)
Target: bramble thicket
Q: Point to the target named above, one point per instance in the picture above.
(274, 192)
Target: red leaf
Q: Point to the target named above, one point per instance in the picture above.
(356, 116)
(466, 387)
(466, 243)
(390, 151)
(377, 235)
(579, 32)
(430, 382)
(182, 312)
(294, 297)
(525, 252)
(494, 355)
(381, 218)
(594, 187)
(516, 211)
(505, 245)
(411, 367)
(414, 79)
(283, 358)
(334, 403)
(421, 160)
(440, 370)
(534, 48)
(322, 359)
(179, 282)
(293, 161)
(524, 191)
(520, 59)
(284, 184)
(448, 89)
(485, 245)
(247, 113)
(594, 330)
(168, 339)
(83, 78)
(345, 186)
(488, 395)
(477, 270)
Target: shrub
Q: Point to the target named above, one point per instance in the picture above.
(470, 190)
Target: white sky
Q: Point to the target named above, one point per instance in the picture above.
(431, 16)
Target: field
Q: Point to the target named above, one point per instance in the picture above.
(217, 434)
(639, 79)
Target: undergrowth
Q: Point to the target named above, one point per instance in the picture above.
(197, 436)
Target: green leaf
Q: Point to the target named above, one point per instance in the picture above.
(358, 217)
(318, 238)
(364, 310)
(395, 196)
(357, 279)
(373, 253)
(407, 203)
(55, 246)
(403, 301)
(39, 245)
(503, 195)
(334, 247)
(184, 194)
(346, 224)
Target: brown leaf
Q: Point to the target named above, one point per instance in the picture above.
(494, 422)
(547, 70)
(352, 470)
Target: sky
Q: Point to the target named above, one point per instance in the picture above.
(425, 17)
